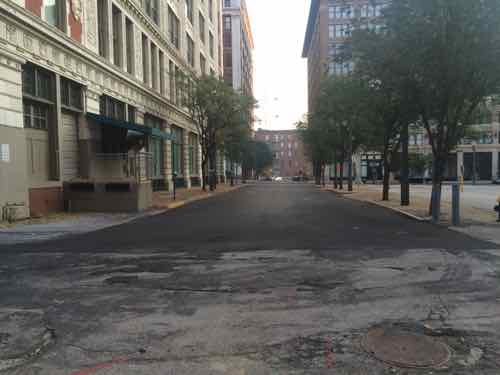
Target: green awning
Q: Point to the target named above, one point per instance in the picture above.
(160, 134)
(129, 126)
(120, 124)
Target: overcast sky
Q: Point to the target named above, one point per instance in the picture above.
(280, 73)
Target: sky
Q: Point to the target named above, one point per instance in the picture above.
(280, 73)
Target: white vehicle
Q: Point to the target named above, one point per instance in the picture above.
(278, 179)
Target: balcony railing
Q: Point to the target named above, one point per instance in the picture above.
(138, 166)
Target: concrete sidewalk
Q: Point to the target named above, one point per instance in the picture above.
(64, 224)
(478, 217)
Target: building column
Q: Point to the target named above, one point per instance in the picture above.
(460, 165)
(494, 165)
(185, 151)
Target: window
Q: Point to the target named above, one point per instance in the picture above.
(131, 113)
(112, 108)
(117, 37)
(154, 66)
(190, 50)
(189, 10)
(38, 96)
(227, 3)
(173, 28)
(227, 23)
(152, 10)
(71, 94)
(53, 12)
(211, 10)
(36, 115)
(203, 64)
(177, 148)
(38, 83)
(193, 154)
(129, 35)
(202, 28)
(171, 79)
(156, 145)
(161, 58)
(102, 26)
(145, 65)
(211, 44)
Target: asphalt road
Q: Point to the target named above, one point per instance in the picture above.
(271, 279)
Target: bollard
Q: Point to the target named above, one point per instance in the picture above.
(455, 205)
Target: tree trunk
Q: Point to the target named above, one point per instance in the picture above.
(341, 179)
(323, 181)
(317, 173)
(212, 169)
(205, 174)
(349, 173)
(386, 180)
(405, 171)
(437, 182)
(336, 176)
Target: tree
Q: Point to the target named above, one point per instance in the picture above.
(317, 138)
(214, 108)
(390, 108)
(340, 109)
(237, 136)
(257, 156)
(448, 52)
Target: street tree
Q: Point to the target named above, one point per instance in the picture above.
(448, 51)
(390, 107)
(215, 108)
(257, 157)
(318, 139)
(340, 108)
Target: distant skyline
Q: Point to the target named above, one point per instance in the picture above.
(278, 28)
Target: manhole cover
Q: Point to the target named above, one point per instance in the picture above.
(403, 348)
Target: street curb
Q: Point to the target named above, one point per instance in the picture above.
(394, 209)
(178, 204)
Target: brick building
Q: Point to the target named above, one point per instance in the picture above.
(289, 155)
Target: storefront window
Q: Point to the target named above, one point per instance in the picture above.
(177, 159)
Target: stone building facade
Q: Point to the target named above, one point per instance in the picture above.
(289, 158)
(91, 109)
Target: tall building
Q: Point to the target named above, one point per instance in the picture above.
(330, 24)
(91, 112)
(238, 46)
(289, 158)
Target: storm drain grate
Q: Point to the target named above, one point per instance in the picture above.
(404, 348)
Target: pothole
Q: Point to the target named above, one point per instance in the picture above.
(402, 346)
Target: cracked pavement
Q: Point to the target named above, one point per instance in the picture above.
(271, 279)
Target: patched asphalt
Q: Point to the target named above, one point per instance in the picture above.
(271, 279)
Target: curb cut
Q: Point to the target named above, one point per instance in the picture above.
(394, 209)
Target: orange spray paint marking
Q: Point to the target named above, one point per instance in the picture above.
(101, 366)
(329, 360)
